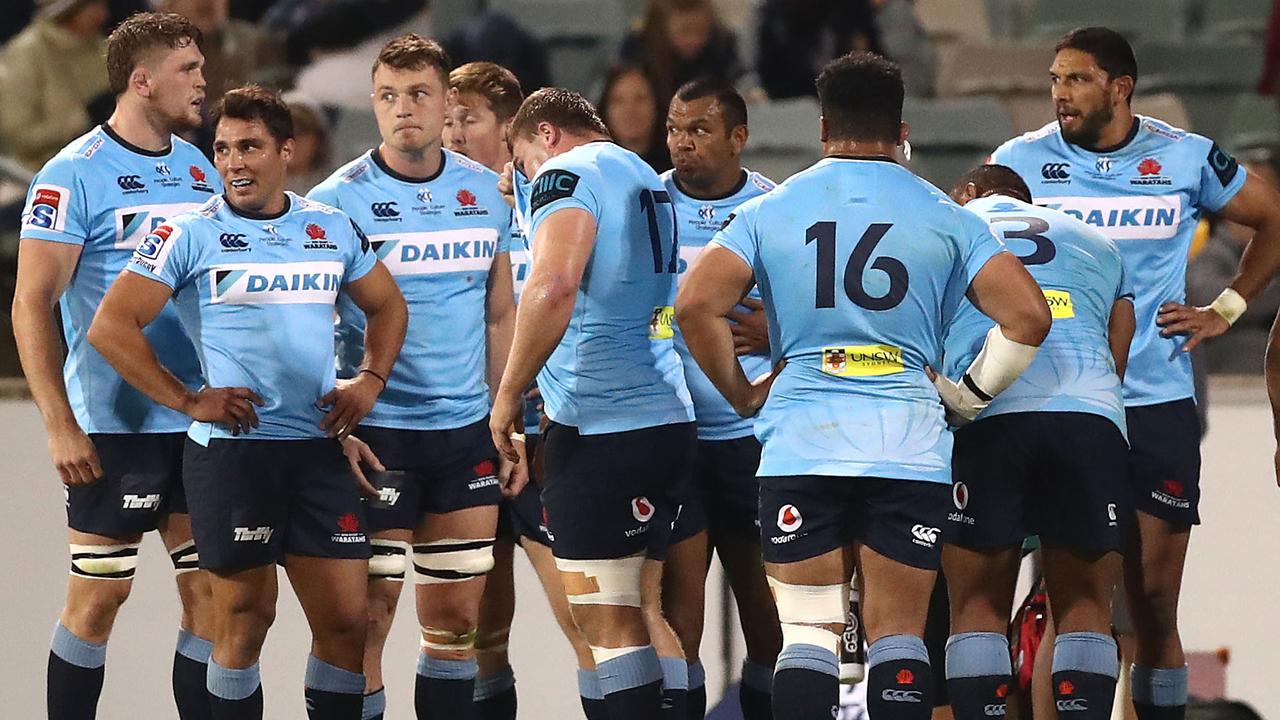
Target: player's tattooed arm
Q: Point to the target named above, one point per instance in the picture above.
(716, 283)
(131, 303)
(565, 240)
(44, 270)
(377, 294)
(1256, 205)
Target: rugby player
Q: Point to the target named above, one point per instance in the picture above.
(1048, 457)
(706, 132)
(437, 221)
(255, 274)
(484, 98)
(1144, 184)
(596, 311)
(118, 454)
(856, 455)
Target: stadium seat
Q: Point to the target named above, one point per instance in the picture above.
(1234, 19)
(1028, 111)
(943, 167)
(984, 68)
(785, 125)
(581, 35)
(1135, 19)
(1222, 67)
(978, 123)
(354, 131)
(1163, 106)
(1254, 123)
(953, 20)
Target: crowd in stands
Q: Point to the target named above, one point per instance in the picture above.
(630, 55)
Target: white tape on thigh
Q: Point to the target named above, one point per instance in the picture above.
(612, 582)
(104, 562)
(388, 560)
(451, 560)
(185, 559)
(604, 654)
(803, 608)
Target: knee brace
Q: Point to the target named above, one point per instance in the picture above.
(603, 582)
(451, 560)
(388, 559)
(803, 608)
(104, 562)
(185, 558)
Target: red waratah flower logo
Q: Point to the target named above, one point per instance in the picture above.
(466, 198)
(315, 232)
(1149, 167)
(196, 173)
(349, 523)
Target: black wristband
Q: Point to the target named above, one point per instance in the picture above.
(367, 370)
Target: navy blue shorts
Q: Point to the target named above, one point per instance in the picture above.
(1060, 475)
(430, 471)
(1164, 460)
(617, 494)
(724, 495)
(804, 516)
(141, 483)
(255, 501)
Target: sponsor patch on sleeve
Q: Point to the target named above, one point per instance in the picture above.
(728, 220)
(48, 208)
(153, 250)
(551, 186)
(1224, 166)
(1061, 306)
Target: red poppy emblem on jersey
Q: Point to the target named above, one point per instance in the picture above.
(641, 509)
(349, 523)
(1066, 687)
(1173, 487)
(466, 198)
(1002, 690)
(315, 232)
(1149, 166)
(196, 173)
(483, 469)
(905, 677)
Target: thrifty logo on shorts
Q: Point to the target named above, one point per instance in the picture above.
(141, 502)
(862, 360)
(661, 325)
(1060, 306)
(260, 534)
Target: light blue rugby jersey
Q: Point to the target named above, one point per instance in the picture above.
(696, 222)
(439, 237)
(1147, 196)
(105, 195)
(258, 298)
(520, 264)
(861, 265)
(1082, 276)
(616, 368)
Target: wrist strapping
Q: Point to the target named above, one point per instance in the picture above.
(1230, 305)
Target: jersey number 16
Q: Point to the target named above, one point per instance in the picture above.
(824, 234)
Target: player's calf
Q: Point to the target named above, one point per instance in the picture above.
(806, 676)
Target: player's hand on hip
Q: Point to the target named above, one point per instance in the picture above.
(360, 454)
(1200, 323)
(507, 408)
(74, 455)
(750, 329)
(957, 412)
(348, 402)
(228, 406)
(758, 392)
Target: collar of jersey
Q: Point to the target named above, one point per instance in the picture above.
(250, 215)
(871, 158)
(742, 182)
(106, 129)
(1133, 133)
(376, 156)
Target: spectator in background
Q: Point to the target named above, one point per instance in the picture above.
(798, 37)
(1241, 351)
(629, 107)
(53, 80)
(311, 161)
(311, 25)
(235, 52)
(680, 40)
(496, 38)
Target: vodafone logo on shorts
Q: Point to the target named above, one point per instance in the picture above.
(789, 518)
(641, 509)
(960, 495)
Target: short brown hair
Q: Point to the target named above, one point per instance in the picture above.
(138, 36)
(562, 108)
(491, 81)
(254, 102)
(411, 51)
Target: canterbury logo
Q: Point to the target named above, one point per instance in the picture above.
(384, 210)
(232, 241)
(129, 182)
(995, 710)
(1073, 705)
(907, 696)
(1055, 171)
(925, 534)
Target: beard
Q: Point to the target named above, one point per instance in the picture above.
(1089, 131)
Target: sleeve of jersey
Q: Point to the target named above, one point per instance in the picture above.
(1126, 284)
(505, 233)
(1002, 155)
(557, 189)
(977, 245)
(736, 236)
(1221, 177)
(56, 208)
(327, 193)
(360, 258)
(164, 255)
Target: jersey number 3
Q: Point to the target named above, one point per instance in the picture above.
(824, 234)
